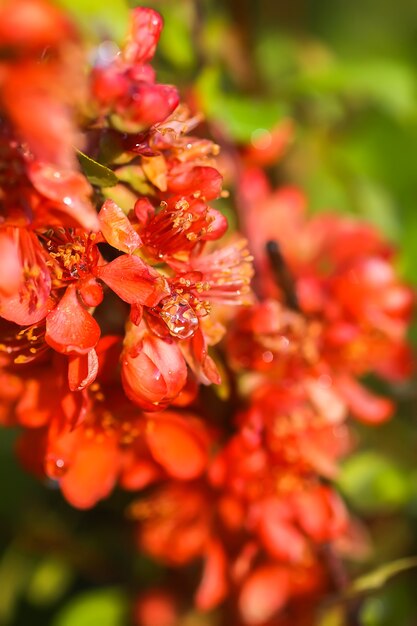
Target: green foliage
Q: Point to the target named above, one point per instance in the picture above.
(102, 607)
(373, 483)
(97, 174)
(395, 605)
(102, 20)
(49, 581)
(379, 577)
(240, 116)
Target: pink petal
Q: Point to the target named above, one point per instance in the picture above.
(28, 302)
(11, 274)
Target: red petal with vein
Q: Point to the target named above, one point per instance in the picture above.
(82, 370)
(206, 181)
(11, 268)
(153, 372)
(214, 585)
(90, 291)
(264, 593)
(217, 225)
(203, 366)
(177, 446)
(70, 329)
(29, 303)
(117, 229)
(367, 407)
(151, 104)
(145, 30)
(134, 281)
(144, 210)
(142, 381)
(69, 189)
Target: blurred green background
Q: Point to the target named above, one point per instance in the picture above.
(346, 73)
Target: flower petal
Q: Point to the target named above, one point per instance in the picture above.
(117, 229)
(29, 302)
(153, 370)
(82, 370)
(214, 585)
(134, 281)
(176, 445)
(366, 406)
(92, 474)
(70, 329)
(264, 593)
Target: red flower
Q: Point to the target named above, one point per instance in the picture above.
(153, 369)
(124, 86)
(25, 299)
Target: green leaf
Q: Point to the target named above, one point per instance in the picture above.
(393, 605)
(16, 568)
(379, 577)
(333, 616)
(97, 174)
(103, 20)
(241, 116)
(373, 483)
(244, 116)
(49, 582)
(384, 83)
(175, 43)
(103, 607)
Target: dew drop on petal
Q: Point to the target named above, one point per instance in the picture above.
(325, 381)
(261, 139)
(267, 356)
(55, 467)
(180, 317)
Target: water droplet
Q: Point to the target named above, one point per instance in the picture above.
(180, 317)
(267, 356)
(325, 381)
(55, 467)
(106, 53)
(67, 200)
(261, 139)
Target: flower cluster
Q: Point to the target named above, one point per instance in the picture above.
(265, 515)
(115, 290)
